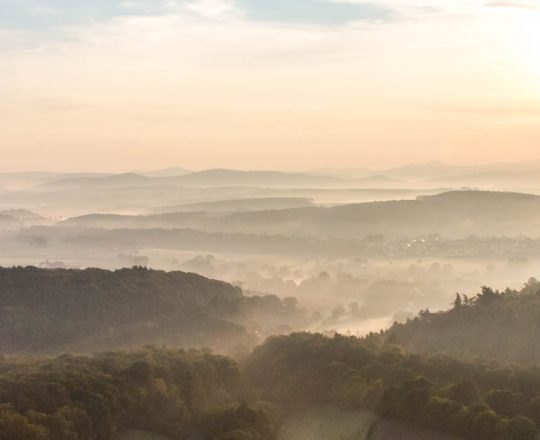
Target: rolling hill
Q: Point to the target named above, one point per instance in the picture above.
(51, 311)
(501, 326)
(239, 205)
(452, 214)
(225, 177)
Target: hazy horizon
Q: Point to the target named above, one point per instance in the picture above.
(283, 169)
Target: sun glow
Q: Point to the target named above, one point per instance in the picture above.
(525, 41)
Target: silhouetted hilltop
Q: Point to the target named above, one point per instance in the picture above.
(225, 177)
(492, 325)
(167, 172)
(125, 179)
(491, 178)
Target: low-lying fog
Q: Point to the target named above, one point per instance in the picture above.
(356, 251)
(351, 295)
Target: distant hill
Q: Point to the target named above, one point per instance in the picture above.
(21, 214)
(453, 214)
(212, 178)
(493, 325)
(492, 178)
(424, 171)
(20, 180)
(413, 171)
(167, 172)
(342, 173)
(124, 179)
(18, 218)
(440, 172)
(261, 204)
(168, 220)
(377, 180)
(225, 177)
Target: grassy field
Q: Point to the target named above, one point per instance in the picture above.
(328, 424)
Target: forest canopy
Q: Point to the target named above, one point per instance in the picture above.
(48, 311)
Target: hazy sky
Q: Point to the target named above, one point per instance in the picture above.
(290, 84)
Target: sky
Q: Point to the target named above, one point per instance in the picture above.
(114, 85)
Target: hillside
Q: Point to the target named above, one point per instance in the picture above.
(494, 325)
(456, 213)
(167, 220)
(305, 371)
(452, 214)
(306, 386)
(87, 310)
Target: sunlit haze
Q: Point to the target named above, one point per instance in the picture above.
(253, 84)
(270, 219)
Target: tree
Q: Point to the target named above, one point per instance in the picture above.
(457, 302)
(505, 402)
(465, 391)
(522, 428)
(484, 426)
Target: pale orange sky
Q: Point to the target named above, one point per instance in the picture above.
(217, 88)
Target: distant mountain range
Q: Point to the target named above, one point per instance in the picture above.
(491, 178)
(125, 179)
(428, 173)
(225, 178)
(71, 194)
(439, 172)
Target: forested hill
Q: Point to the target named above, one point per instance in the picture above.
(453, 214)
(504, 326)
(469, 401)
(90, 310)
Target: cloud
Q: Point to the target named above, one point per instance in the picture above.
(313, 11)
(45, 11)
(520, 4)
(213, 9)
(47, 14)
